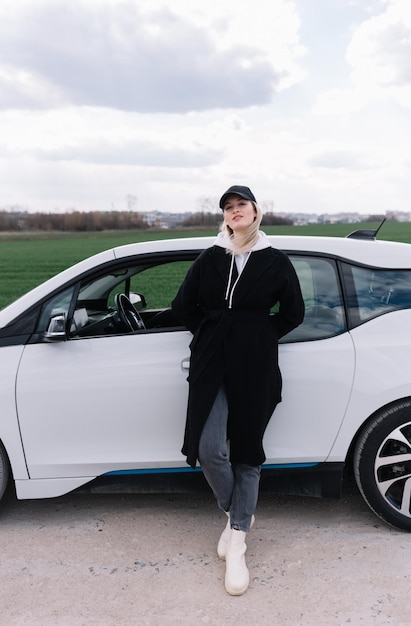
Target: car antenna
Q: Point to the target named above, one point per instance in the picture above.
(365, 234)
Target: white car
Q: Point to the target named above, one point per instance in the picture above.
(93, 372)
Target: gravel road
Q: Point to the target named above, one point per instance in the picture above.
(150, 560)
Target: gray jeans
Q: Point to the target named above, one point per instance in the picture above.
(235, 487)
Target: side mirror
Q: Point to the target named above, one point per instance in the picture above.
(137, 300)
(56, 330)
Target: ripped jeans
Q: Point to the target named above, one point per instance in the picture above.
(236, 486)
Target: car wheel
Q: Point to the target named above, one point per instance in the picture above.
(382, 465)
(4, 470)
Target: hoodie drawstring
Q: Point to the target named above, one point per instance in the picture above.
(230, 275)
(228, 293)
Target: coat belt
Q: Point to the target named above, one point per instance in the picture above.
(242, 315)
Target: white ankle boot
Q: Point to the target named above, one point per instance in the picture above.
(237, 577)
(225, 537)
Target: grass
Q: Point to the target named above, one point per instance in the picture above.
(26, 259)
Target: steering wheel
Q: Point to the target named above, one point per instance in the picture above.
(127, 313)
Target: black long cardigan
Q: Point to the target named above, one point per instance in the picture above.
(237, 346)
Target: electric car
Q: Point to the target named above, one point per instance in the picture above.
(93, 375)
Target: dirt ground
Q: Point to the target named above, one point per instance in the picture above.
(150, 560)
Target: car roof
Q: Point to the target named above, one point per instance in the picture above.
(382, 254)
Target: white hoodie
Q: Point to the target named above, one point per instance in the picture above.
(224, 241)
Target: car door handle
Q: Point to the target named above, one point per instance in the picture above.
(185, 364)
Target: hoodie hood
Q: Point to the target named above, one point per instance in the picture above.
(223, 240)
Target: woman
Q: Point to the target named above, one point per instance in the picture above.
(234, 380)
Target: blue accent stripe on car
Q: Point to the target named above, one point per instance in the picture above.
(289, 465)
(156, 470)
(179, 470)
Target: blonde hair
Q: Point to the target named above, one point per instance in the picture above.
(244, 241)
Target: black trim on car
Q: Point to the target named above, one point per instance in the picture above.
(323, 480)
(19, 331)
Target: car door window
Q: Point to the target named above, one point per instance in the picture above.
(324, 311)
(377, 291)
(151, 287)
(160, 283)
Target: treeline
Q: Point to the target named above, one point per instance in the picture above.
(92, 221)
(75, 221)
(271, 219)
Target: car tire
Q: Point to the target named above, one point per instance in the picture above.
(4, 470)
(382, 465)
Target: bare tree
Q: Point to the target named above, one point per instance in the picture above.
(132, 202)
(208, 204)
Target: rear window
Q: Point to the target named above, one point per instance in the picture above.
(378, 291)
(324, 310)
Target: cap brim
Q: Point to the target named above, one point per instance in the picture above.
(232, 193)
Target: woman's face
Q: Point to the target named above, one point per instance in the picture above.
(239, 214)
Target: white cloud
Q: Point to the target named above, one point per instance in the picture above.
(380, 56)
(340, 101)
(380, 50)
(147, 57)
(22, 87)
(111, 137)
(350, 159)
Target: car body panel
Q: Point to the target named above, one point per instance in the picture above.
(128, 411)
(379, 253)
(9, 427)
(317, 381)
(30, 489)
(387, 381)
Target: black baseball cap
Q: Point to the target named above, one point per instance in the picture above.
(237, 190)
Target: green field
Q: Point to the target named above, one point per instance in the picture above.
(26, 260)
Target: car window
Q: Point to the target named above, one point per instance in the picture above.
(324, 311)
(150, 287)
(378, 291)
(158, 284)
(153, 287)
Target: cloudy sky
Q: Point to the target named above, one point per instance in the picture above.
(159, 105)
